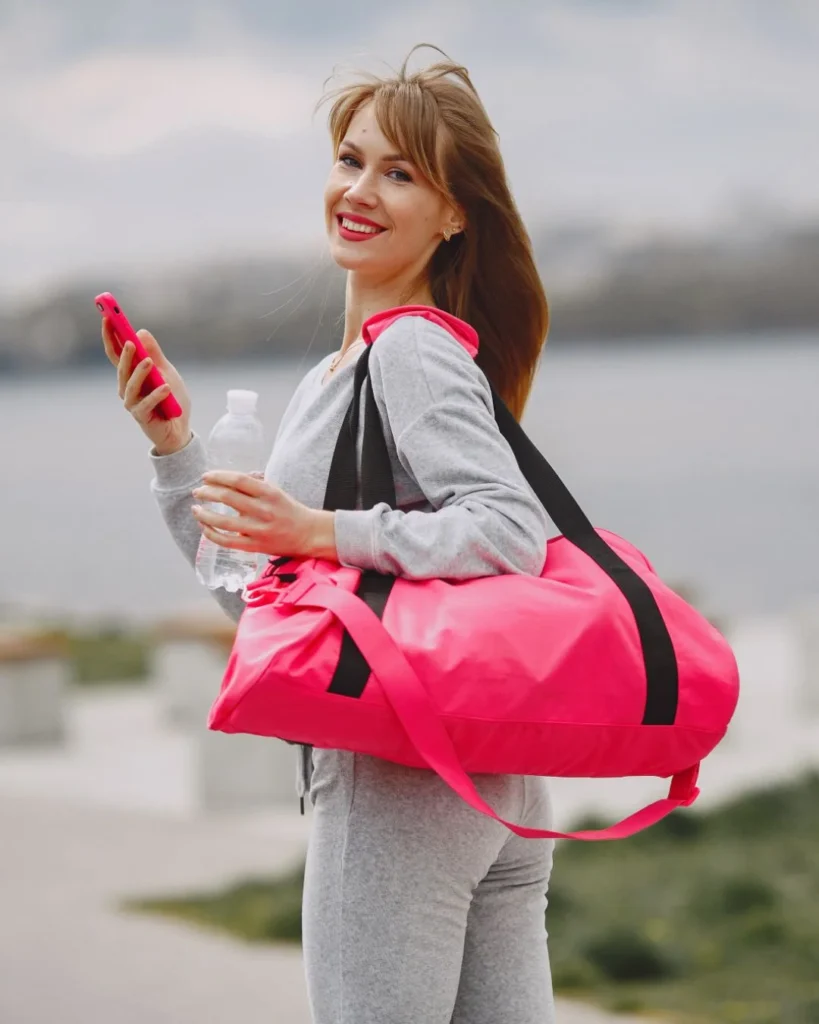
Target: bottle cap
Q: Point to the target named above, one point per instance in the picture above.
(242, 402)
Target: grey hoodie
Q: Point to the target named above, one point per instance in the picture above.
(464, 508)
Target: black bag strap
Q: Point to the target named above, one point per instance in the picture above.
(377, 485)
(342, 483)
(662, 673)
(352, 670)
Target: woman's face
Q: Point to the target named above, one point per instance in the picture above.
(384, 220)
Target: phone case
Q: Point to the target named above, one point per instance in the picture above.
(108, 306)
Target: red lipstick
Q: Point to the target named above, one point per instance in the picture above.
(351, 234)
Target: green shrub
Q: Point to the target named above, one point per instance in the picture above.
(574, 974)
(626, 1003)
(624, 954)
(679, 827)
(761, 928)
(756, 814)
(793, 806)
(718, 898)
(740, 895)
(109, 655)
(560, 902)
(807, 1012)
(257, 910)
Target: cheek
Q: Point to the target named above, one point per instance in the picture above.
(333, 191)
(404, 211)
(416, 220)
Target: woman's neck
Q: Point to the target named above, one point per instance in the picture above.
(364, 300)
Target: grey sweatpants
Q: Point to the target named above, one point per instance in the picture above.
(417, 909)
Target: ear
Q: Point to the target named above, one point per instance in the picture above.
(454, 226)
(454, 223)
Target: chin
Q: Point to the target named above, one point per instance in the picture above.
(349, 256)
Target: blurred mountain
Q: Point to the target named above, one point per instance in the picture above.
(600, 284)
(753, 279)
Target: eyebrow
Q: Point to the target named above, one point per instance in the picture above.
(388, 159)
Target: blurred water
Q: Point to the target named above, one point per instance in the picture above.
(705, 455)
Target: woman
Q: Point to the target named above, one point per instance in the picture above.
(416, 909)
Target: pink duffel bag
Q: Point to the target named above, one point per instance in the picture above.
(594, 669)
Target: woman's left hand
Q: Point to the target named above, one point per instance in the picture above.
(269, 522)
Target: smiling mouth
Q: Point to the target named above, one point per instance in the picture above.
(345, 224)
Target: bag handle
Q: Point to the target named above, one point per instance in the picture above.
(415, 711)
(377, 485)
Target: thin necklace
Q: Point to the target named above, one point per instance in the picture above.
(339, 356)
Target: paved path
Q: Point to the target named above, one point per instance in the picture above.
(68, 954)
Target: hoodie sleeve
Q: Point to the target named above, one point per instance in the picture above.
(175, 478)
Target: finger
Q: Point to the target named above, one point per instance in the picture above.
(124, 367)
(237, 543)
(227, 496)
(242, 482)
(143, 409)
(109, 342)
(152, 347)
(242, 525)
(132, 394)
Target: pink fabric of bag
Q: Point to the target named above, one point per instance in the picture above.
(594, 669)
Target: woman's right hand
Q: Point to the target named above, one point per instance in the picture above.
(168, 436)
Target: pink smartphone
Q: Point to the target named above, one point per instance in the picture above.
(108, 306)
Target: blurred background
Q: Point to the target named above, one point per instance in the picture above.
(666, 160)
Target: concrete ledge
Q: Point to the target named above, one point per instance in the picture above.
(237, 772)
(33, 685)
(190, 657)
(229, 772)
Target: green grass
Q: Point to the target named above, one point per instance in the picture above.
(705, 918)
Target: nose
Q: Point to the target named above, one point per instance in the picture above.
(363, 190)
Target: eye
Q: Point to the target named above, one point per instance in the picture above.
(403, 176)
(347, 157)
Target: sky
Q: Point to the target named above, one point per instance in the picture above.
(137, 133)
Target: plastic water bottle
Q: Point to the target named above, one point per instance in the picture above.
(235, 443)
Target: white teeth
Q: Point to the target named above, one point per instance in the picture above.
(365, 229)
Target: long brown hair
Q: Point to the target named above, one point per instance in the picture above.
(486, 275)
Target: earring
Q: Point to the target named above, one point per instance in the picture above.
(447, 234)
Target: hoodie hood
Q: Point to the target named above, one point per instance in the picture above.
(459, 329)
